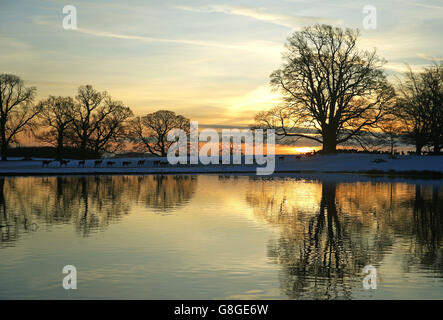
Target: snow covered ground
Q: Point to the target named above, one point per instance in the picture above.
(352, 163)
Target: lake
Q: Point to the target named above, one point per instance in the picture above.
(221, 237)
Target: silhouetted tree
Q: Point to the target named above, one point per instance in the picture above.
(85, 119)
(411, 108)
(432, 78)
(111, 130)
(329, 86)
(57, 115)
(16, 110)
(151, 131)
(97, 119)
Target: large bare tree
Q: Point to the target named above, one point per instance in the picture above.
(151, 131)
(56, 118)
(17, 113)
(332, 91)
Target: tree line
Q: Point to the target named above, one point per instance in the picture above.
(91, 121)
(333, 94)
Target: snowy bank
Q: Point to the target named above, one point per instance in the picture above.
(337, 163)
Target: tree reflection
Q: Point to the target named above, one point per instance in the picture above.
(322, 251)
(90, 203)
(168, 192)
(427, 228)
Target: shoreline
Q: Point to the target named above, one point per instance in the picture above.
(411, 174)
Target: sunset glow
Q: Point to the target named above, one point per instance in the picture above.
(304, 149)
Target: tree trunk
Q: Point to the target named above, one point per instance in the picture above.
(4, 152)
(83, 149)
(392, 146)
(329, 143)
(59, 148)
(436, 149)
(418, 148)
(3, 143)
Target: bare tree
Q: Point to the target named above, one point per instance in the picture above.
(97, 119)
(420, 106)
(151, 131)
(410, 108)
(110, 131)
(433, 92)
(329, 86)
(56, 115)
(85, 120)
(16, 110)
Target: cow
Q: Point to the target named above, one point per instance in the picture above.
(97, 163)
(140, 163)
(110, 163)
(46, 163)
(63, 162)
(126, 163)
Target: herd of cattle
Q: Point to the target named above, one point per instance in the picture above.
(106, 163)
(135, 163)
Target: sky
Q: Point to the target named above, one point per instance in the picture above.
(207, 60)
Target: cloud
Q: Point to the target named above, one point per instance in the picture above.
(401, 68)
(13, 49)
(427, 57)
(13, 43)
(259, 46)
(424, 5)
(290, 21)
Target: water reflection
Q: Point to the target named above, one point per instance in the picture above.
(215, 235)
(325, 243)
(89, 203)
(427, 227)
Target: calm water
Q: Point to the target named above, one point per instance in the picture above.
(217, 237)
